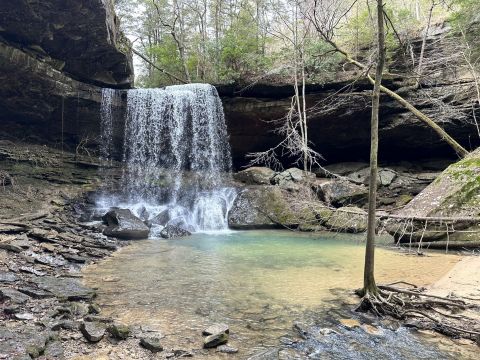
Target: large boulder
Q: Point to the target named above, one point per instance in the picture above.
(338, 192)
(260, 207)
(174, 231)
(255, 175)
(455, 194)
(122, 224)
(348, 219)
(293, 178)
(264, 207)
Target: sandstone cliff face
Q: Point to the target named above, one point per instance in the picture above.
(341, 132)
(55, 55)
(82, 38)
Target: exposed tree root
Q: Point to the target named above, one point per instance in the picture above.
(423, 310)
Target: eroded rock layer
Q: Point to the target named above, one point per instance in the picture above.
(52, 70)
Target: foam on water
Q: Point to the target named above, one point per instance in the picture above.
(176, 155)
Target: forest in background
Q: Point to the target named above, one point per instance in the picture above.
(222, 41)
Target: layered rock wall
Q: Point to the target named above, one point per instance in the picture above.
(55, 56)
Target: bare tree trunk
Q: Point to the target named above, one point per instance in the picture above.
(424, 41)
(369, 285)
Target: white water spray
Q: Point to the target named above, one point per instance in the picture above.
(176, 155)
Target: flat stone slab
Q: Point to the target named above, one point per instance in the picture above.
(13, 295)
(26, 344)
(65, 288)
(7, 277)
(216, 329)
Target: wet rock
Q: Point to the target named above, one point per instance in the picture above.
(173, 231)
(215, 340)
(7, 277)
(327, 331)
(301, 329)
(260, 207)
(348, 219)
(13, 296)
(151, 343)
(225, 349)
(350, 323)
(93, 331)
(143, 213)
(372, 330)
(255, 176)
(65, 288)
(161, 219)
(122, 224)
(216, 329)
(119, 331)
(339, 192)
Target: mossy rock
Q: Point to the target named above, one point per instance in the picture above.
(119, 331)
(348, 219)
(454, 194)
(260, 207)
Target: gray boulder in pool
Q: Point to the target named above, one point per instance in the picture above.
(173, 231)
(122, 224)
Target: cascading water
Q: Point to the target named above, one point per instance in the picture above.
(176, 155)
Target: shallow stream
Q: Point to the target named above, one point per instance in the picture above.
(260, 283)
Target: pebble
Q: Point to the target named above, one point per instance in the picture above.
(227, 349)
(24, 316)
(350, 323)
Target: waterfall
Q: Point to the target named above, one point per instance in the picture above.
(176, 155)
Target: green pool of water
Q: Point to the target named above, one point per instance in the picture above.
(257, 282)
